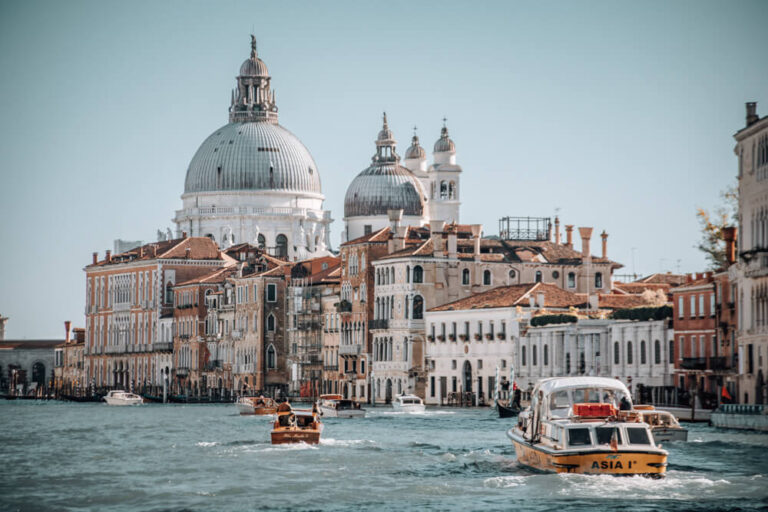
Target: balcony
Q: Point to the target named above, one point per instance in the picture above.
(213, 365)
(379, 324)
(719, 363)
(694, 363)
(165, 346)
(350, 350)
(344, 307)
(182, 371)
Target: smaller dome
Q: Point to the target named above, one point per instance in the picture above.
(385, 135)
(254, 67)
(444, 143)
(415, 150)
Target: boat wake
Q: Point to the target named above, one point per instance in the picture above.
(362, 443)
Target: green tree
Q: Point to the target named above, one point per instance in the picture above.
(712, 243)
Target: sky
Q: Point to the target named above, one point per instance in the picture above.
(613, 114)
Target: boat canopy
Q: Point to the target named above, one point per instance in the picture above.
(557, 397)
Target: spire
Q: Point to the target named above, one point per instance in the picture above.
(385, 144)
(253, 100)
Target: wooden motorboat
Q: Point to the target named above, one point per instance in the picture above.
(335, 406)
(258, 405)
(506, 412)
(296, 425)
(585, 425)
(664, 425)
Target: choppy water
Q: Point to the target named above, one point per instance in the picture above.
(66, 456)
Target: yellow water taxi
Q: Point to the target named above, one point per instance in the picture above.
(296, 425)
(585, 425)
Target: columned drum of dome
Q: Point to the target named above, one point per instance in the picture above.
(385, 185)
(254, 181)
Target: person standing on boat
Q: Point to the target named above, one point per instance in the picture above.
(625, 405)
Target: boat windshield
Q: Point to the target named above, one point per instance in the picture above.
(604, 435)
(579, 437)
(638, 435)
(586, 396)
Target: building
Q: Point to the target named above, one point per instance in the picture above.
(750, 273)
(69, 363)
(128, 296)
(254, 181)
(332, 378)
(27, 366)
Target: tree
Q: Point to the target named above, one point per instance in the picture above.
(712, 243)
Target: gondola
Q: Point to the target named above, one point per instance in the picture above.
(507, 412)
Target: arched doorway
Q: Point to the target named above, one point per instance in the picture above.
(38, 374)
(388, 394)
(467, 377)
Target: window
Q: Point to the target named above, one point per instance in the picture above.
(281, 246)
(692, 312)
(538, 276)
(271, 323)
(522, 355)
(637, 435)
(465, 276)
(680, 307)
(533, 356)
(671, 350)
(712, 304)
(169, 293)
(629, 352)
(701, 305)
(407, 273)
(271, 292)
(418, 306)
(453, 364)
(512, 274)
(487, 277)
(642, 352)
(271, 358)
(555, 275)
(598, 280)
(657, 352)
(367, 229)
(546, 355)
(261, 242)
(571, 280)
(605, 434)
(418, 274)
(616, 355)
(579, 437)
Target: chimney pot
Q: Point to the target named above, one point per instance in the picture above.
(586, 234)
(752, 116)
(183, 234)
(109, 256)
(476, 230)
(569, 236)
(67, 325)
(557, 230)
(95, 258)
(604, 236)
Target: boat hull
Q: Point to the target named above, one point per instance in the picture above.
(344, 413)
(409, 408)
(296, 436)
(507, 412)
(123, 401)
(666, 435)
(592, 462)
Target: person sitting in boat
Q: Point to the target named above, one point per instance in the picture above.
(625, 405)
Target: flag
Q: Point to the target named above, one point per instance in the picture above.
(725, 394)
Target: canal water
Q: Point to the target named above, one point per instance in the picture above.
(69, 456)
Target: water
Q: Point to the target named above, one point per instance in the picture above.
(68, 456)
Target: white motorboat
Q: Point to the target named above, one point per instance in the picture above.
(120, 397)
(334, 406)
(664, 425)
(257, 405)
(408, 403)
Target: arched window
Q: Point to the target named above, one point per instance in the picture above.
(407, 273)
(443, 190)
(598, 280)
(571, 280)
(533, 355)
(657, 352)
(418, 307)
(486, 277)
(271, 358)
(271, 323)
(281, 247)
(642, 352)
(522, 355)
(629, 352)
(169, 293)
(465, 276)
(512, 274)
(546, 355)
(616, 355)
(538, 276)
(418, 275)
(452, 190)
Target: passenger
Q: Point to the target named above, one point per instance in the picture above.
(625, 405)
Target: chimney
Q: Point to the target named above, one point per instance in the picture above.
(540, 299)
(752, 116)
(188, 252)
(108, 256)
(586, 234)
(95, 258)
(395, 216)
(569, 236)
(476, 230)
(604, 236)
(729, 235)
(183, 234)
(397, 240)
(549, 231)
(557, 230)
(67, 325)
(154, 251)
(141, 252)
(436, 228)
(453, 245)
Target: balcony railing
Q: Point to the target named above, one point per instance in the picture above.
(694, 363)
(718, 363)
(213, 365)
(350, 350)
(379, 324)
(165, 346)
(182, 371)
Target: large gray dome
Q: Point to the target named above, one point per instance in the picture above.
(383, 187)
(252, 156)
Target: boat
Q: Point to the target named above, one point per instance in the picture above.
(408, 403)
(664, 425)
(120, 397)
(335, 406)
(296, 425)
(258, 405)
(585, 425)
(506, 412)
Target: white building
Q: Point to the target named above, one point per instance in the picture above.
(254, 181)
(750, 274)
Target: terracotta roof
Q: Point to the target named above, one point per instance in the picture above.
(200, 248)
(666, 278)
(616, 301)
(516, 295)
(637, 288)
(412, 235)
(694, 284)
(218, 275)
(29, 344)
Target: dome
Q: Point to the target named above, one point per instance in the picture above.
(252, 156)
(384, 187)
(444, 143)
(254, 67)
(415, 150)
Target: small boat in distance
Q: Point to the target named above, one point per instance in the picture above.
(408, 403)
(585, 425)
(258, 405)
(120, 397)
(335, 406)
(664, 425)
(506, 412)
(296, 425)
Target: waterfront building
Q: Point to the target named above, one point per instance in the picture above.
(310, 282)
(332, 378)
(69, 362)
(750, 273)
(253, 181)
(126, 296)
(26, 366)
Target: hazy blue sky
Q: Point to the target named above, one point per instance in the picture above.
(620, 114)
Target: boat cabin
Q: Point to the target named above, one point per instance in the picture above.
(582, 397)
